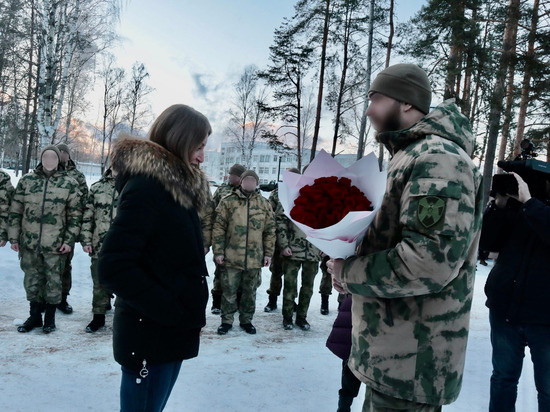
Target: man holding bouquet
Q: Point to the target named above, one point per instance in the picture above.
(413, 274)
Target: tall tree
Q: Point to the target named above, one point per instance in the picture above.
(138, 89)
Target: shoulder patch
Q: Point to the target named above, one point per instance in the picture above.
(430, 210)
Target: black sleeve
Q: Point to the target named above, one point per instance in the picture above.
(537, 215)
(497, 227)
(120, 267)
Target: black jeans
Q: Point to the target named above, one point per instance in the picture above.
(509, 342)
(149, 394)
(350, 384)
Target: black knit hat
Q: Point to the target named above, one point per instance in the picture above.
(406, 83)
(236, 170)
(250, 173)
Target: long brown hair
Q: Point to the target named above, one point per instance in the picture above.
(181, 130)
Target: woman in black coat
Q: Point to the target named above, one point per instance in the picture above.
(153, 256)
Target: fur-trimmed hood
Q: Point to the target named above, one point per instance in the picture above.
(133, 156)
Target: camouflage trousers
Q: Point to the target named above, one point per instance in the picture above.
(378, 402)
(67, 276)
(42, 279)
(325, 288)
(246, 280)
(101, 296)
(290, 269)
(276, 268)
(217, 282)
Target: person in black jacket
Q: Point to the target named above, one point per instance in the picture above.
(153, 256)
(517, 294)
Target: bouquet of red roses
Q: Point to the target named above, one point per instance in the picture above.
(331, 204)
(327, 201)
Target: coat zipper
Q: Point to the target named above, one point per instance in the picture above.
(39, 246)
(247, 228)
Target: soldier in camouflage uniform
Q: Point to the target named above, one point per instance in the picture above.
(6, 192)
(99, 213)
(44, 223)
(72, 171)
(233, 182)
(297, 253)
(412, 279)
(243, 241)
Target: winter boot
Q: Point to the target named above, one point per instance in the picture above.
(224, 328)
(248, 328)
(64, 306)
(216, 304)
(49, 318)
(324, 304)
(302, 323)
(97, 322)
(34, 321)
(272, 304)
(344, 403)
(287, 324)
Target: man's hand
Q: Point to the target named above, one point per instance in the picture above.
(334, 267)
(3, 243)
(206, 250)
(87, 248)
(65, 249)
(287, 252)
(15, 246)
(219, 259)
(523, 190)
(267, 260)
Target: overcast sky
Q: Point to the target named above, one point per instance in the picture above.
(196, 50)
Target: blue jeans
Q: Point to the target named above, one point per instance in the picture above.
(509, 342)
(152, 392)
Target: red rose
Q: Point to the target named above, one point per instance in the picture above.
(328, 201)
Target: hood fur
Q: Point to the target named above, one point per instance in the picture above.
(133, 156)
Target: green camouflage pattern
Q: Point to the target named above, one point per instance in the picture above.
(247, 281)
(45, 212)
(100, 211)
(325, 287)
(290, 236)
(274, 199)
(244, 230)
(6, 193)
(412, 285)
(222, 191)
(77, 175)
(290, 291)
(276, 266)
(42, 279)
(101, 298)
(206, 216)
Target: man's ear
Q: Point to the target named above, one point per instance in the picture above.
(406, 107)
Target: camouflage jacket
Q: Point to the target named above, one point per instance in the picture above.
(413, 277)
(100, 211)
(206, 216)
(45, 211)
(77, 175)
(244, 230)
(289, 235)
(274, 199)
(221, 192)
(6, 192)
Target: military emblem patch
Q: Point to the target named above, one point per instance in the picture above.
(430, 210)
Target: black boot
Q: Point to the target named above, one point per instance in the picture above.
(302, 323)
(216, 304)
(271, 304)
(34, 321)
(64, 306)
(97, 322)
(344, 403)
(49, 318)
(324, 304)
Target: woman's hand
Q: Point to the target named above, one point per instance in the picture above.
(219, 259)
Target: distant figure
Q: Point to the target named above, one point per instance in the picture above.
(6, 192)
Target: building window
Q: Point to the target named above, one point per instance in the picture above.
(275, 158)
(274, 171)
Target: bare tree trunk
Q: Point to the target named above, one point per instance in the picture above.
(30, 90)
(388, 57)
(321, 83)
(362, 138)
(299, 120)
(455, 54)
(505, 131)
(525, 88)
(510, 35)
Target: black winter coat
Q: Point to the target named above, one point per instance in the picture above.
(339, 340)
(517, 287)
(153, 259)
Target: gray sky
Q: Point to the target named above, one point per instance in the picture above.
(195, 50)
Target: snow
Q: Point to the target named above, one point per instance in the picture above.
(71, 370)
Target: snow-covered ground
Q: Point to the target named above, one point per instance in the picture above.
(275, 370)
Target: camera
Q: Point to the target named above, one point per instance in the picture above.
(534, 172)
